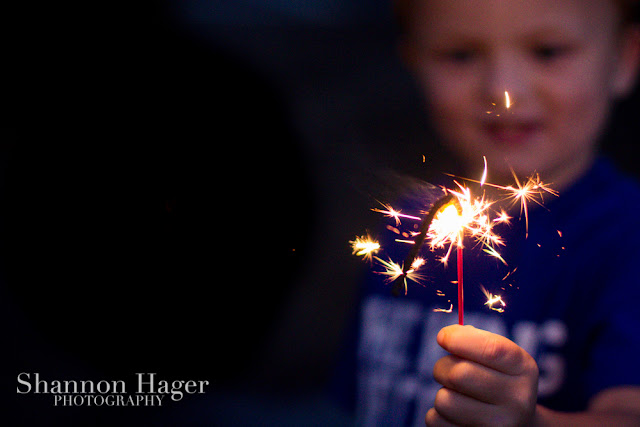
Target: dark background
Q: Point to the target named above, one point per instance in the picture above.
(180, 183)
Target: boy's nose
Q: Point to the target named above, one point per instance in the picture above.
(503, 75)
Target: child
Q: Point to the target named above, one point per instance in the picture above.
(571, 317)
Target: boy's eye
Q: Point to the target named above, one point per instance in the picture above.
(459, 56)
(549, 52)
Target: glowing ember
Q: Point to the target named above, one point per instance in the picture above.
(443, 310)
(394, 271)
(484, 173)
(391, 213)
(365, 247)
(493, 300)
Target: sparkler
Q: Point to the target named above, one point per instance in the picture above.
(451, 218)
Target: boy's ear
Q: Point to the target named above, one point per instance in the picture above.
(628, 66)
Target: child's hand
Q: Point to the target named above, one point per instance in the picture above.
(487, 380)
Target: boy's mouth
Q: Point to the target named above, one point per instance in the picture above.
(512, 134)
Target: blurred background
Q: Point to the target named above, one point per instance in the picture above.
(180, 183)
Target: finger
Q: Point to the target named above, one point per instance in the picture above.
(486, 348)
(470, 378)
(459, 409)
(433, 419)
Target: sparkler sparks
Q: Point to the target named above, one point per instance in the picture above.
(391, 213)
(365, 247)
(443, 310)
(493, 300)
(417, 263)
(532, 191)
(507, 103)
(484, 173)
(457, 215)
(394, 272)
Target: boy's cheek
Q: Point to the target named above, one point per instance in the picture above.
(578, 120)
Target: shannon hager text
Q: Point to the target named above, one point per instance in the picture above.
(147, 386)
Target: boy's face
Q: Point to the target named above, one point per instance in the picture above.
(559, 61)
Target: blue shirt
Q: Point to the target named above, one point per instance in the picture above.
(571, 294)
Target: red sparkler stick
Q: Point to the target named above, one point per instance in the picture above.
(460, 287)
